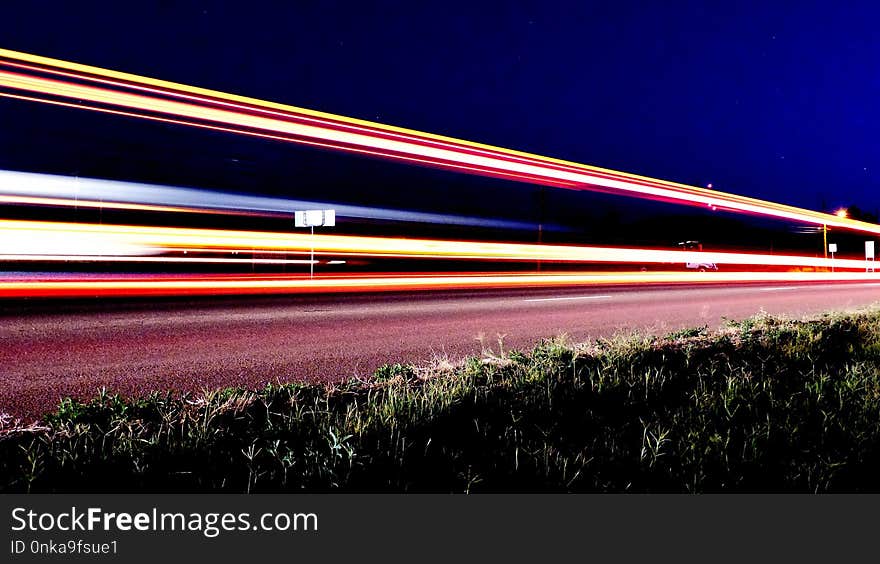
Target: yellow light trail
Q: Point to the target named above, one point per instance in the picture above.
(257, 117)
(69, 240)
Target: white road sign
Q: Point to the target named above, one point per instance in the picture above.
(314, 218)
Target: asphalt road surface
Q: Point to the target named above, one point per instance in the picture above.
(49, 350)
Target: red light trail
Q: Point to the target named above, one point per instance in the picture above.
(33, 78)
(166, 101)
(43, 240)
(56, 286)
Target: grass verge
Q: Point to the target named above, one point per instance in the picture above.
(762, 405)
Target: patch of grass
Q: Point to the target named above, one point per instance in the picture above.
(689, 333)
(767, 404)
(393, 371)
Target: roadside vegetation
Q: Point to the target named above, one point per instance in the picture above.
(762, 405)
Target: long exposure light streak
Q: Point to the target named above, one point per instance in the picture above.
(257, 126)
(144, 286)
(28, 188)
(161, 260)
(69, 240)
(211, 109)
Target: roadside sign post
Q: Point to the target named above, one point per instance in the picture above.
(312, 219)
(832, 248)
(869, 256)
(825, 239)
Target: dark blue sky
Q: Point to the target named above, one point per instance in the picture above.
(774, 100)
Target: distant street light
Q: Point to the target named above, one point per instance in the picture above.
(842, 213)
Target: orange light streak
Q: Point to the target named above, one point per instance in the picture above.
(391, 142)
(42, 238)
(336, 138)
(372, 153)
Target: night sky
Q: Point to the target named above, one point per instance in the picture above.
(775, 102)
